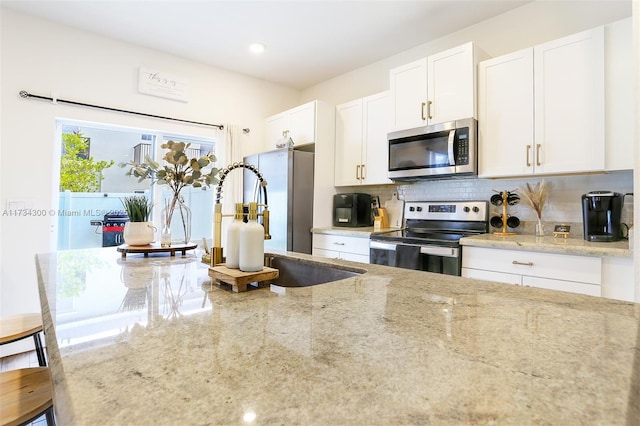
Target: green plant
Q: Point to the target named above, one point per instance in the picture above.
(78, 171)
(178, 171)
(138, 208)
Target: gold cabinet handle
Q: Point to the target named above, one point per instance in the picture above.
(422, 111)
(515, 262)
(429, 110)
(528, 157)
(538, 155)
(362, 172)
(358, 172)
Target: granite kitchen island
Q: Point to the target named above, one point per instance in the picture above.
(149, 341)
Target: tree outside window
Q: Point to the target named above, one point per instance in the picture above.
(79, 172)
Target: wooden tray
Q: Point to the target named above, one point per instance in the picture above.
(155, 248)
(239, 279)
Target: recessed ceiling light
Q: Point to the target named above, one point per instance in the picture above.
(256, 48)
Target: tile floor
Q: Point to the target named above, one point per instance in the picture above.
(24, 360)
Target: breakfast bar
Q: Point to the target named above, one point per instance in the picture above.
(150, 341)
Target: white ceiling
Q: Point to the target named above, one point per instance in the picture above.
(307, 42)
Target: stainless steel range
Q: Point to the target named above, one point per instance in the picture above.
(430, 239)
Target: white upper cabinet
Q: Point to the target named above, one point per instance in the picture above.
(436, 89)
(376, 124)
(541, 110)
(451, 84)
(408, 85)
(311, 126)
(619, 102)
(569, 103)
(361, 141)
(505, 115)
(348, 161)
(299, 123)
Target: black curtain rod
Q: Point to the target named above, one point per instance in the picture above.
(25, 94)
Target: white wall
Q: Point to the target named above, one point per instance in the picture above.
(531, 24)
(47, 59)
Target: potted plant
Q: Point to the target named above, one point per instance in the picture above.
(138, 231)
(177, 172)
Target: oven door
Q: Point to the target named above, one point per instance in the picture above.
(427, 257)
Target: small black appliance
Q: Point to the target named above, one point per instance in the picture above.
(352, 210)
(601, 215)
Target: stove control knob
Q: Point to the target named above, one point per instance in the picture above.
(476, 209)
(411, 209)
(419, 208)
(466, 209)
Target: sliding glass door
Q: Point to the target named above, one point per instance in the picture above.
(92, 185)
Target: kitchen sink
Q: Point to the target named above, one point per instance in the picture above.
(305, 273)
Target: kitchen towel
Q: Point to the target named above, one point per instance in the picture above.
(407, 257)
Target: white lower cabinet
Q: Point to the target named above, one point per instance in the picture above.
(617, 279)
(355, 249)
(570, 273)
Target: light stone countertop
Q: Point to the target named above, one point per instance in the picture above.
(148, 341)
(360, 232)
(549, 244)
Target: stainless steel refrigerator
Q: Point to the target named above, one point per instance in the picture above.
(289, 176)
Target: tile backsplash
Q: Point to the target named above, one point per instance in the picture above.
(563, 205)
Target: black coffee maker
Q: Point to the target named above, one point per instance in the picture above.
(601, 214)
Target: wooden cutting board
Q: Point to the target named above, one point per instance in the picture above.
(395, 210)
(238, 279)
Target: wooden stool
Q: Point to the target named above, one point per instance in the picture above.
(25, 395)
(18, 327)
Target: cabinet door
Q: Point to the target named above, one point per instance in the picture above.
(348, 156)
(352, 257)
(274, 126)
(450, 84)
(408, 85)
(583, 269)
(498, 277)
(569, 103)
(342, 244)
(617, 279)
(302, 123)
(560, 285)
(331, 254)
(376, 111)
(505, 115)
(619, 95)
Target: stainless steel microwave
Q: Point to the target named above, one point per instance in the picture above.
(440, 150)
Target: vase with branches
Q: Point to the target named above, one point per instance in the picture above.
(177, 172)
(536, 198)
